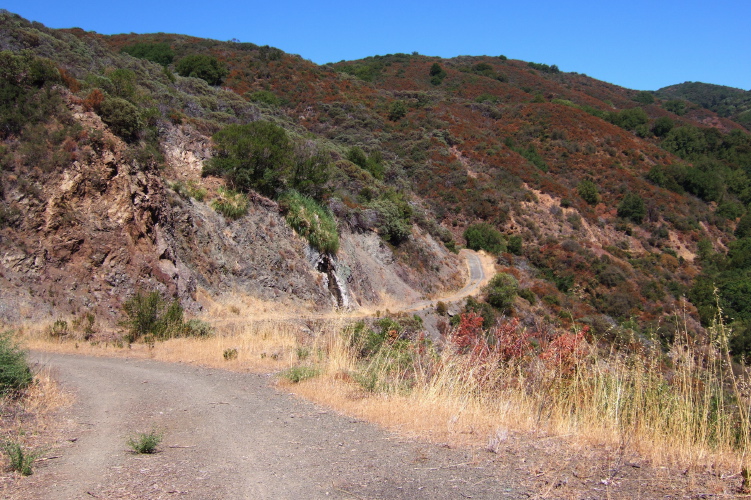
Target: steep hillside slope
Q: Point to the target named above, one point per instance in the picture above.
(605, 203)
(92, 213)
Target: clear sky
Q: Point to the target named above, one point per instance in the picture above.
(638, 44)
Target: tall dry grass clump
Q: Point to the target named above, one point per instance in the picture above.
(681, 403)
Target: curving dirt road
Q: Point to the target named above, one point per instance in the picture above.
(232, 436)
(476, 278)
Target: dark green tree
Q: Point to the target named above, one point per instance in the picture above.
(663, 125)
(160, 53)
(644, 98)
(398, 111)
(483, 236)
(632, 207)
(437, 74)
(257, 156)
(202, 66)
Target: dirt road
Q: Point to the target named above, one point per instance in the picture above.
(231, 436)
(476, 278)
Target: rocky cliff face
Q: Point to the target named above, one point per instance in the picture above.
(92, 234)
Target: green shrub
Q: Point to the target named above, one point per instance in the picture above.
(230, 204)
(59, 329)
(197, 328)
(195, 191)
(372, 163)
(515, 244)
(484, 309)
(588, 192)
(264, 97)
(18, 459)
(15, 374)
(311, 221)
(123, 117)
(632, 207)
(662, 126)
(395, 216)
(357, 156)
(501, 291)
(229, 354)
(676, 106)
(644, 98)
(629, 119)
(528, 295)
(397, 111)
(145, 442)
(544, 67)
(202, 66)
(297, 374)
(122, 83)
(483, 236)
(254, 156)
(441, 308)
(150, 314)
(160, 53)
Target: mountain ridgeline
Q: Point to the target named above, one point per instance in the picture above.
(200, 168)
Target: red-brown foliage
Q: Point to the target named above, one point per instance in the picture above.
(566, 351)
(94, 100)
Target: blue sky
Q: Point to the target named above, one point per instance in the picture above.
(638, 44)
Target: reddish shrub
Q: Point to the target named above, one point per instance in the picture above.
(469, 333)
(94, 100)
(565, 352)
(512, 341)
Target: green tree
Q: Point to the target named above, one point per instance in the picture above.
(644, 98)
(202, 66)
(257, 156)
(662, 126)
(501, 291)
(632, 207)
(437, 74)
(357, 156)
(483, 236)
(676, 106)
(160, 53)
(398, 111)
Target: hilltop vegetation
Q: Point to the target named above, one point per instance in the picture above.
(609, 207)
(727, 102)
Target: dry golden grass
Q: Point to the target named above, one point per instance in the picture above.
(614, 400)
(261, 346)
(30, 419)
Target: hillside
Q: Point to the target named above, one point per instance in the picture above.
(728, 102)
(608, 206)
